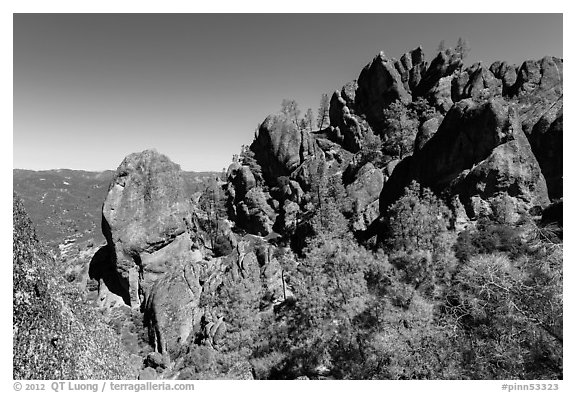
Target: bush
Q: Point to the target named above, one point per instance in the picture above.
(486, 238)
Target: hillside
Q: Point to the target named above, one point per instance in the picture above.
(415, 235)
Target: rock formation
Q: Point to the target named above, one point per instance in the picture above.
(379, 85)
(157, 260)
(444, 64)
(506, 73)
(280, 147)
(479, 153)
(149, 258)
(476, 82)
(347, 129)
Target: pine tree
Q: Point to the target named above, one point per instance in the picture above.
(309, 119)
(400, 129)
(289, 108)
(462, 48)
(442, 46)
(417, 220)
(323, 111)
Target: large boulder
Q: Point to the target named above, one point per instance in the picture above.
(144, 212)
(280, 147)
(241, 178)
(149, 259)
(379, 85)
(347, 129)
(479, 154)
(255, 214)
(507, 73)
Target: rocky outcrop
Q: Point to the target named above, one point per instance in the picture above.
(444, 64)
(149, 258)
(144, 213)
(440, 96)
(156, 261)
(479, 154)
(411, 67)
(241, 178)
(476, 82)
(346, 128)
(507, 73)
(280, 147)
(544, 77)
(348, 94)
(379, 85)
(539, 92)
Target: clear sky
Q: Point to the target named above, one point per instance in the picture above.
(91, 88)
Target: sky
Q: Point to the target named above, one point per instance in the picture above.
(89, 89)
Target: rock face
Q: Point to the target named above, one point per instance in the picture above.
(279, 147)
(480, 154)
(171, 308)
(379, 85)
